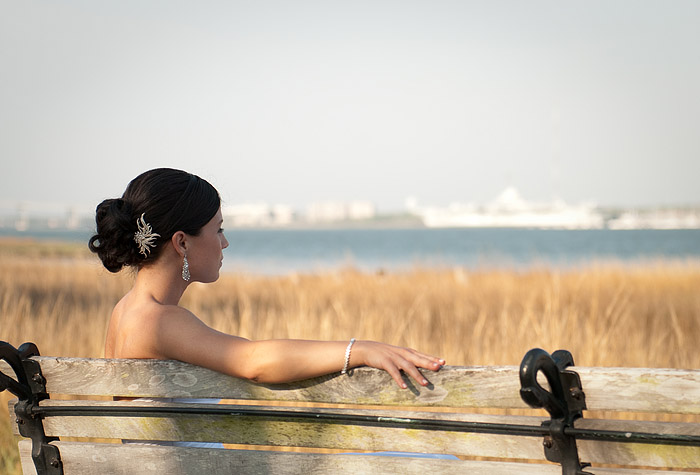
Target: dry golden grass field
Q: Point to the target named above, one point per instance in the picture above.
(645, 315)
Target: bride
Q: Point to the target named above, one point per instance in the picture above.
(168, 226)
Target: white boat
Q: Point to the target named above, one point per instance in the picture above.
(510, 210)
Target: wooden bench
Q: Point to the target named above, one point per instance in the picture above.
(362, 412)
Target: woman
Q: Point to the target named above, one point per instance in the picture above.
(168, 226)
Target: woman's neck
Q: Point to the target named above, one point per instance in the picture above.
(165, 286)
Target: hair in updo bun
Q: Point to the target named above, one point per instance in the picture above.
(169, 200)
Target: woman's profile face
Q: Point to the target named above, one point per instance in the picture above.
(205, 254)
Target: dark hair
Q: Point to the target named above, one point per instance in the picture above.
(169, 200)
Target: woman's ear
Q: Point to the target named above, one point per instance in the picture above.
(180, 243)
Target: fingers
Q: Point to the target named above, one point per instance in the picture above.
(394, 371)
(420, 360)
(396, 376)
(433, 364)
(411, 369)
(394, 360)
(425, 361)
(417, 375)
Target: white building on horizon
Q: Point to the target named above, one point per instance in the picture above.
(657, 219)
(334, 211)
(257, 215)
(510, 210)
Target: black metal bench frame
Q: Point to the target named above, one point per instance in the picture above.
(564, 401)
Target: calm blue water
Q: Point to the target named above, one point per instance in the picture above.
(284, 251)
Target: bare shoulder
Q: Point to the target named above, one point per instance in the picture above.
(136, 327)
(142, 327)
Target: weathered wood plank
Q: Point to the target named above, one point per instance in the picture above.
(641, 389)
(607, 389)
(453, 386)
(236, 429)
(91, 458)
(633, 471)
(656, 427)
(136, 459)
(258, 431)
(652, 427)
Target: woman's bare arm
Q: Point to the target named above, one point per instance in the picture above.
(182, 336)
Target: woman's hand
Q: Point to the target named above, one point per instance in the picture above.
(394, 359)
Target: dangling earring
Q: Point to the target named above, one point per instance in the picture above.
(185, 269)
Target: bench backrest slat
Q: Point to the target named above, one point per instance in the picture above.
(606, 389)
(457, 390)
(255, 430)
(675, 391)
(486, 387)
(91, 458)
(237, 429)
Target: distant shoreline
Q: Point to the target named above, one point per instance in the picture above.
(309, 252)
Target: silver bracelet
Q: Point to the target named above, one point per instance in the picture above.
(347, 356)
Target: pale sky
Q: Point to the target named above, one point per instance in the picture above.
(302, 101)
